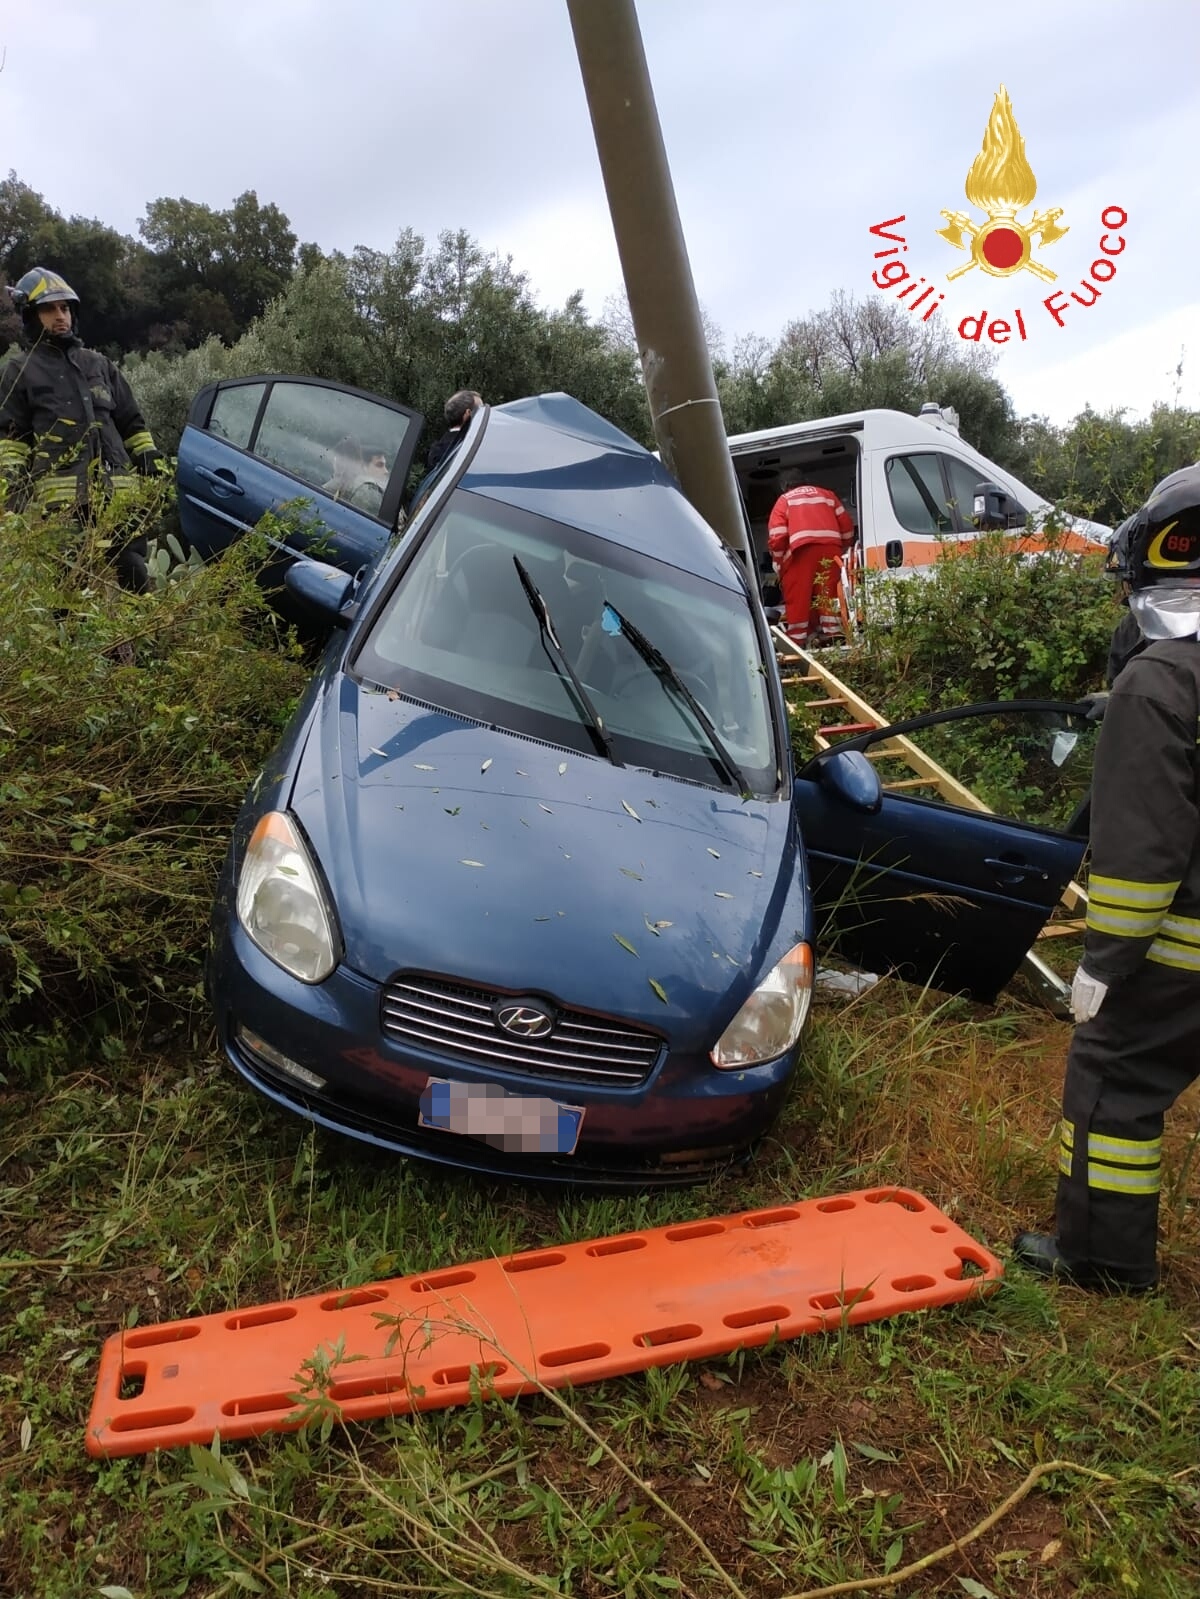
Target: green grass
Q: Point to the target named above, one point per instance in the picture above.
(155, 1186)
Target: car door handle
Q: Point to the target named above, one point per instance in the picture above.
(1014, 871)
(222, 480)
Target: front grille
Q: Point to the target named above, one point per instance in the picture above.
(457, 1019)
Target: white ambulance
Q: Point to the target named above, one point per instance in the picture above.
(909, 483)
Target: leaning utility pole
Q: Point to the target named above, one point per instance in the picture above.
(658, 277)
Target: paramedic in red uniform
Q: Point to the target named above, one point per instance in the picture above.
(807, 533)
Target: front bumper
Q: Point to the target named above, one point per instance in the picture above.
(687, 1121)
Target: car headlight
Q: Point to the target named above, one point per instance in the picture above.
(281, 903)
(769, 1023)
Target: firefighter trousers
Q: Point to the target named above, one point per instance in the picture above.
(1126, 1068)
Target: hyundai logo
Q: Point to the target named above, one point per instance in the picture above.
(525, 1021)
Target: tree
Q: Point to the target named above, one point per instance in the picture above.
(1103, 466)
(95, 259)
(218, 270)
(855, 355)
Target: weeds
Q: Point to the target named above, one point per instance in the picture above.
(158, 1189)
(118, 783)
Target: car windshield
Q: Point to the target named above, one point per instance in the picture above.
(459, 632)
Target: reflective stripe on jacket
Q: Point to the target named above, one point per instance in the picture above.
(1144, 889)
(67, 414)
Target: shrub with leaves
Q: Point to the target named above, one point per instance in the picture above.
(119, 783)
(987, 622)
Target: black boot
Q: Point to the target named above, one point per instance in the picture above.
(1039, 1254)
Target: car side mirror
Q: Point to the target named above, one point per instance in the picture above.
(893, 554)
(994, 508)
(849, 775)
(325, 589)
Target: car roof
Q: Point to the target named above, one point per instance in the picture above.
(553, 456)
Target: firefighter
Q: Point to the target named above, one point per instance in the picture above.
(807, 531)
(71, 433)
(1136, 994)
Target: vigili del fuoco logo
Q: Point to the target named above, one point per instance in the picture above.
(1000, 184)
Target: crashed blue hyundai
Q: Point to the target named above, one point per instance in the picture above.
(528, 886)
(521, 890)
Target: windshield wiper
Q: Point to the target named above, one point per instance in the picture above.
(589, 715)
(666, 673)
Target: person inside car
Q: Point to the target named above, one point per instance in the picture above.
(347, 469)
(367, 493)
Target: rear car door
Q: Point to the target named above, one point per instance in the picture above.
(930, 887)
(257, 444)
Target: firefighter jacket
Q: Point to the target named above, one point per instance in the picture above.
(68, 424)
(1144, 889)
(802, 515)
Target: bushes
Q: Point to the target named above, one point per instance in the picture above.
(119, 784)
(166, 385)
(986, 623)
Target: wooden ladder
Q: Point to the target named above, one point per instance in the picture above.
(848, 714)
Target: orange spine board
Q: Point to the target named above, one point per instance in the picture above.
(568, 1314)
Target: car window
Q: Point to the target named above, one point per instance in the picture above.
(459, 633)
(1027, 765)
(327, 437)
(233, 413)
(918, 496)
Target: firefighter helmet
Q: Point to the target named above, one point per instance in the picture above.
(1164, 538)
(38, 287)
(1116, 563)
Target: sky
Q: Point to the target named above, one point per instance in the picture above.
(791, 128)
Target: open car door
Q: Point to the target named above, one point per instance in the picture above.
(252, 445)
(907, 881)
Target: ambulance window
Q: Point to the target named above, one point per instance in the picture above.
(918, 494)
(964, 479)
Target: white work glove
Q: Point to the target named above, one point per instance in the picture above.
(1087, 995)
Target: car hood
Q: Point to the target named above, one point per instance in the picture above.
(454, 848)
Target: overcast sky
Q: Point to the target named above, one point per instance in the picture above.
(791, 127)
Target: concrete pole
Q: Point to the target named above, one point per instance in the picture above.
(658, 277)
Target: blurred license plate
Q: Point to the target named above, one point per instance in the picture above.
(510, 1122)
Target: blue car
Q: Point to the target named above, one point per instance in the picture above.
(339, 457)
(524, 888)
